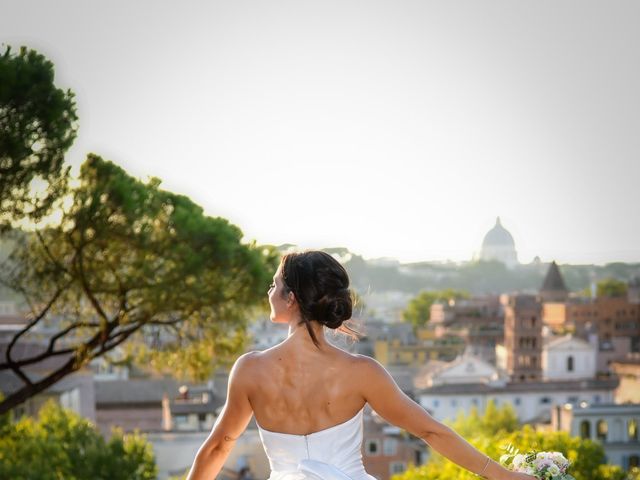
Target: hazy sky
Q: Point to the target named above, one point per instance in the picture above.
(395, 128)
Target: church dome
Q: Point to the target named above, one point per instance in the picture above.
(498, 236)
(498, 245)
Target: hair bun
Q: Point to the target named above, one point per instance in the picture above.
(333, 310)
(320, 285)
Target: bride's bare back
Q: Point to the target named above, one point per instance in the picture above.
(302, 391)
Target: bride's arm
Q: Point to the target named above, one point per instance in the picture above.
(230, 424)
(384, 396)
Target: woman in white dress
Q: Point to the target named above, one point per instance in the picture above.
(308, 395)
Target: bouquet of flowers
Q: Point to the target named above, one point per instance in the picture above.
(542, 465)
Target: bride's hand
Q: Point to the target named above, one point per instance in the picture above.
(518, 476)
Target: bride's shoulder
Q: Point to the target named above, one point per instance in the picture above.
(245, 363)
(364, 363)
(369, 368)
(254, 359)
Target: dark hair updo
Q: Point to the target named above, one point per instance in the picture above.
(321, 287)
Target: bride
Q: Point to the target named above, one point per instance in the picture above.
(308, 395)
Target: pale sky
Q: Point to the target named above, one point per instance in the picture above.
(394, 128)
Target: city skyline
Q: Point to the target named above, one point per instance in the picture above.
(399, 129)
(476, 255)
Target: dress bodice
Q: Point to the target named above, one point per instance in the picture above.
(334, 453)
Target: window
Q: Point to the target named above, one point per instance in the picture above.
(545, 400)
(397, 467)
(373, 447)
(516, 401)
(569, 363)
(71, 399)
(601, 430)
(634, 461)
(389, 446)
(474, 401)
(181, 419)
(436, 404)
(596, 399)
(632, 430)
(585, 429)
(454, 402)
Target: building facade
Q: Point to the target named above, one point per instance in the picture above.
(479, 321)
(614, 426)
(532, 401)
(417, 352)
(387, 450)
(628, 371)
(568, 358)
(522, 337)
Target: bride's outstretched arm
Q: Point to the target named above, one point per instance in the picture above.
(230, 424)
(384, 396)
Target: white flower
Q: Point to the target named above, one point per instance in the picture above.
(518, 460)
(543, 456)
(542, 462)
(554, 470)
(559, 459)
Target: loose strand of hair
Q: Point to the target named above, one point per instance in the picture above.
(307, 324)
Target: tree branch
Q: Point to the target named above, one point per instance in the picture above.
(32, 323)
(87, 290)
(49, 254)
(21, 374)
(124, 334)
(38, 358)
(32, 389)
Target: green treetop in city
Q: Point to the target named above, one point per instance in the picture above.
(122, 264)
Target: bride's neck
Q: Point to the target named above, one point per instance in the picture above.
(298, 333)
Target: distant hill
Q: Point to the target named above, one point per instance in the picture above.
(479, 277)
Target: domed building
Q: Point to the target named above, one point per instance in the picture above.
(498, 245)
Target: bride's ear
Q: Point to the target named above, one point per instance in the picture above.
(291, 299)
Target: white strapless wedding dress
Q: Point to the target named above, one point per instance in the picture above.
(334, 453)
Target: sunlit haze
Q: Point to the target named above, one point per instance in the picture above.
(396, 129)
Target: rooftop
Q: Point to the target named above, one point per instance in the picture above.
(554, 282)
(524, 387)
